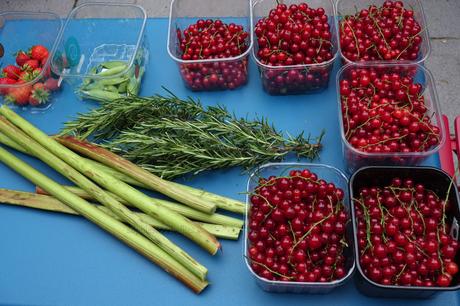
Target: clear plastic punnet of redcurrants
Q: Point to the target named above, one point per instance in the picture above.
(211, 52)
(378, 30)
(389, 114)
(294, 45)
(405, 222)
(298, 234)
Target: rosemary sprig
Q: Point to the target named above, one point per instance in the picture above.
(171, 137)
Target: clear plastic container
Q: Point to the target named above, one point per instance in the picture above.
(355, 158)
(96, 33)
(21, 31)
(329, 174)
(350, 7)
(433, 179)
(209, 74)
(313, 77)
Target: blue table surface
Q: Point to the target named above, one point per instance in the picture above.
(55, 259)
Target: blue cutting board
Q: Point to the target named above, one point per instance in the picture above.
(55, 259)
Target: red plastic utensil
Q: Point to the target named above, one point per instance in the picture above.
(451, 147)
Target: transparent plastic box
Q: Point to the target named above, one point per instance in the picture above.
(95, 33)
(329, 174)
(350, 7)
(313, 77)
(434, 179)
(39, 28)
(355, 158)
(224, 73)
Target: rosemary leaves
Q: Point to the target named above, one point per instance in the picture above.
(171, 137)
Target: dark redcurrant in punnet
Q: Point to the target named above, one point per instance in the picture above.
(390, 32)
(386, 113)
(297, 36)
(401, 243)
(302, 237)
(209, 43)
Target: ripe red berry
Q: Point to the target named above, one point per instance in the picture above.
(390, 32)
(294, 237)
(210, 41)
(294, 37)
(403, 244)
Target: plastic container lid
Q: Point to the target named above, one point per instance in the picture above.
(82, 45)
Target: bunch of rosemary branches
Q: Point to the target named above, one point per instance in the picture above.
(170, 137)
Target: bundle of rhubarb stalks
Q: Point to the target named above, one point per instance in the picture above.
(103, 191)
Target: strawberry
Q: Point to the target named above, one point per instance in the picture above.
(21, 58)
(39, 95)
(11, 72)
(38, 52)
(6, 81)
(39, 85)
(43, 61)
(30, 65)
(51, 84)
(19, 95)
(25, 76)
(36, 72)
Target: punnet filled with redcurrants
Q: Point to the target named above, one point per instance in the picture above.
(405, 222)
(295, 45)
(298, 231)
(382, 31)
(211, 52)
(389, 114)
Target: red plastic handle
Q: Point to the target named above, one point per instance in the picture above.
(456, 140)
(446, 155)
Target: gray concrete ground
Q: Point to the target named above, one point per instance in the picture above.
(442, 16)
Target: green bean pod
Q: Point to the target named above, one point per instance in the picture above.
(101, 95)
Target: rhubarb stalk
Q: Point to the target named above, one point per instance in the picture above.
(179, 208)
(152, 181)
(111, 225)
(140, 200)
(220, 201)
(119, 209)
(48, 203)
(144, 177)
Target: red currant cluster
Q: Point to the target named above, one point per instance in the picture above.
(294, 35)
(384, 111)
(213, 40)
(297, 229)
(389, 32)
(403, 236)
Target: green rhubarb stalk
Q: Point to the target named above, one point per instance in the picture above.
(48, 203)
(111, 225)
(137, 198)
(181, 209)
(152, 181)
(106, 199)
(141, 175)
(221, 202)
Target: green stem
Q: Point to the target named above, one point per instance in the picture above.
(140, 200)
(154, 182)
(111, 203)
(111, 225)
(48, 203)
(221, 201)
(199, 199)
(179, 208)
